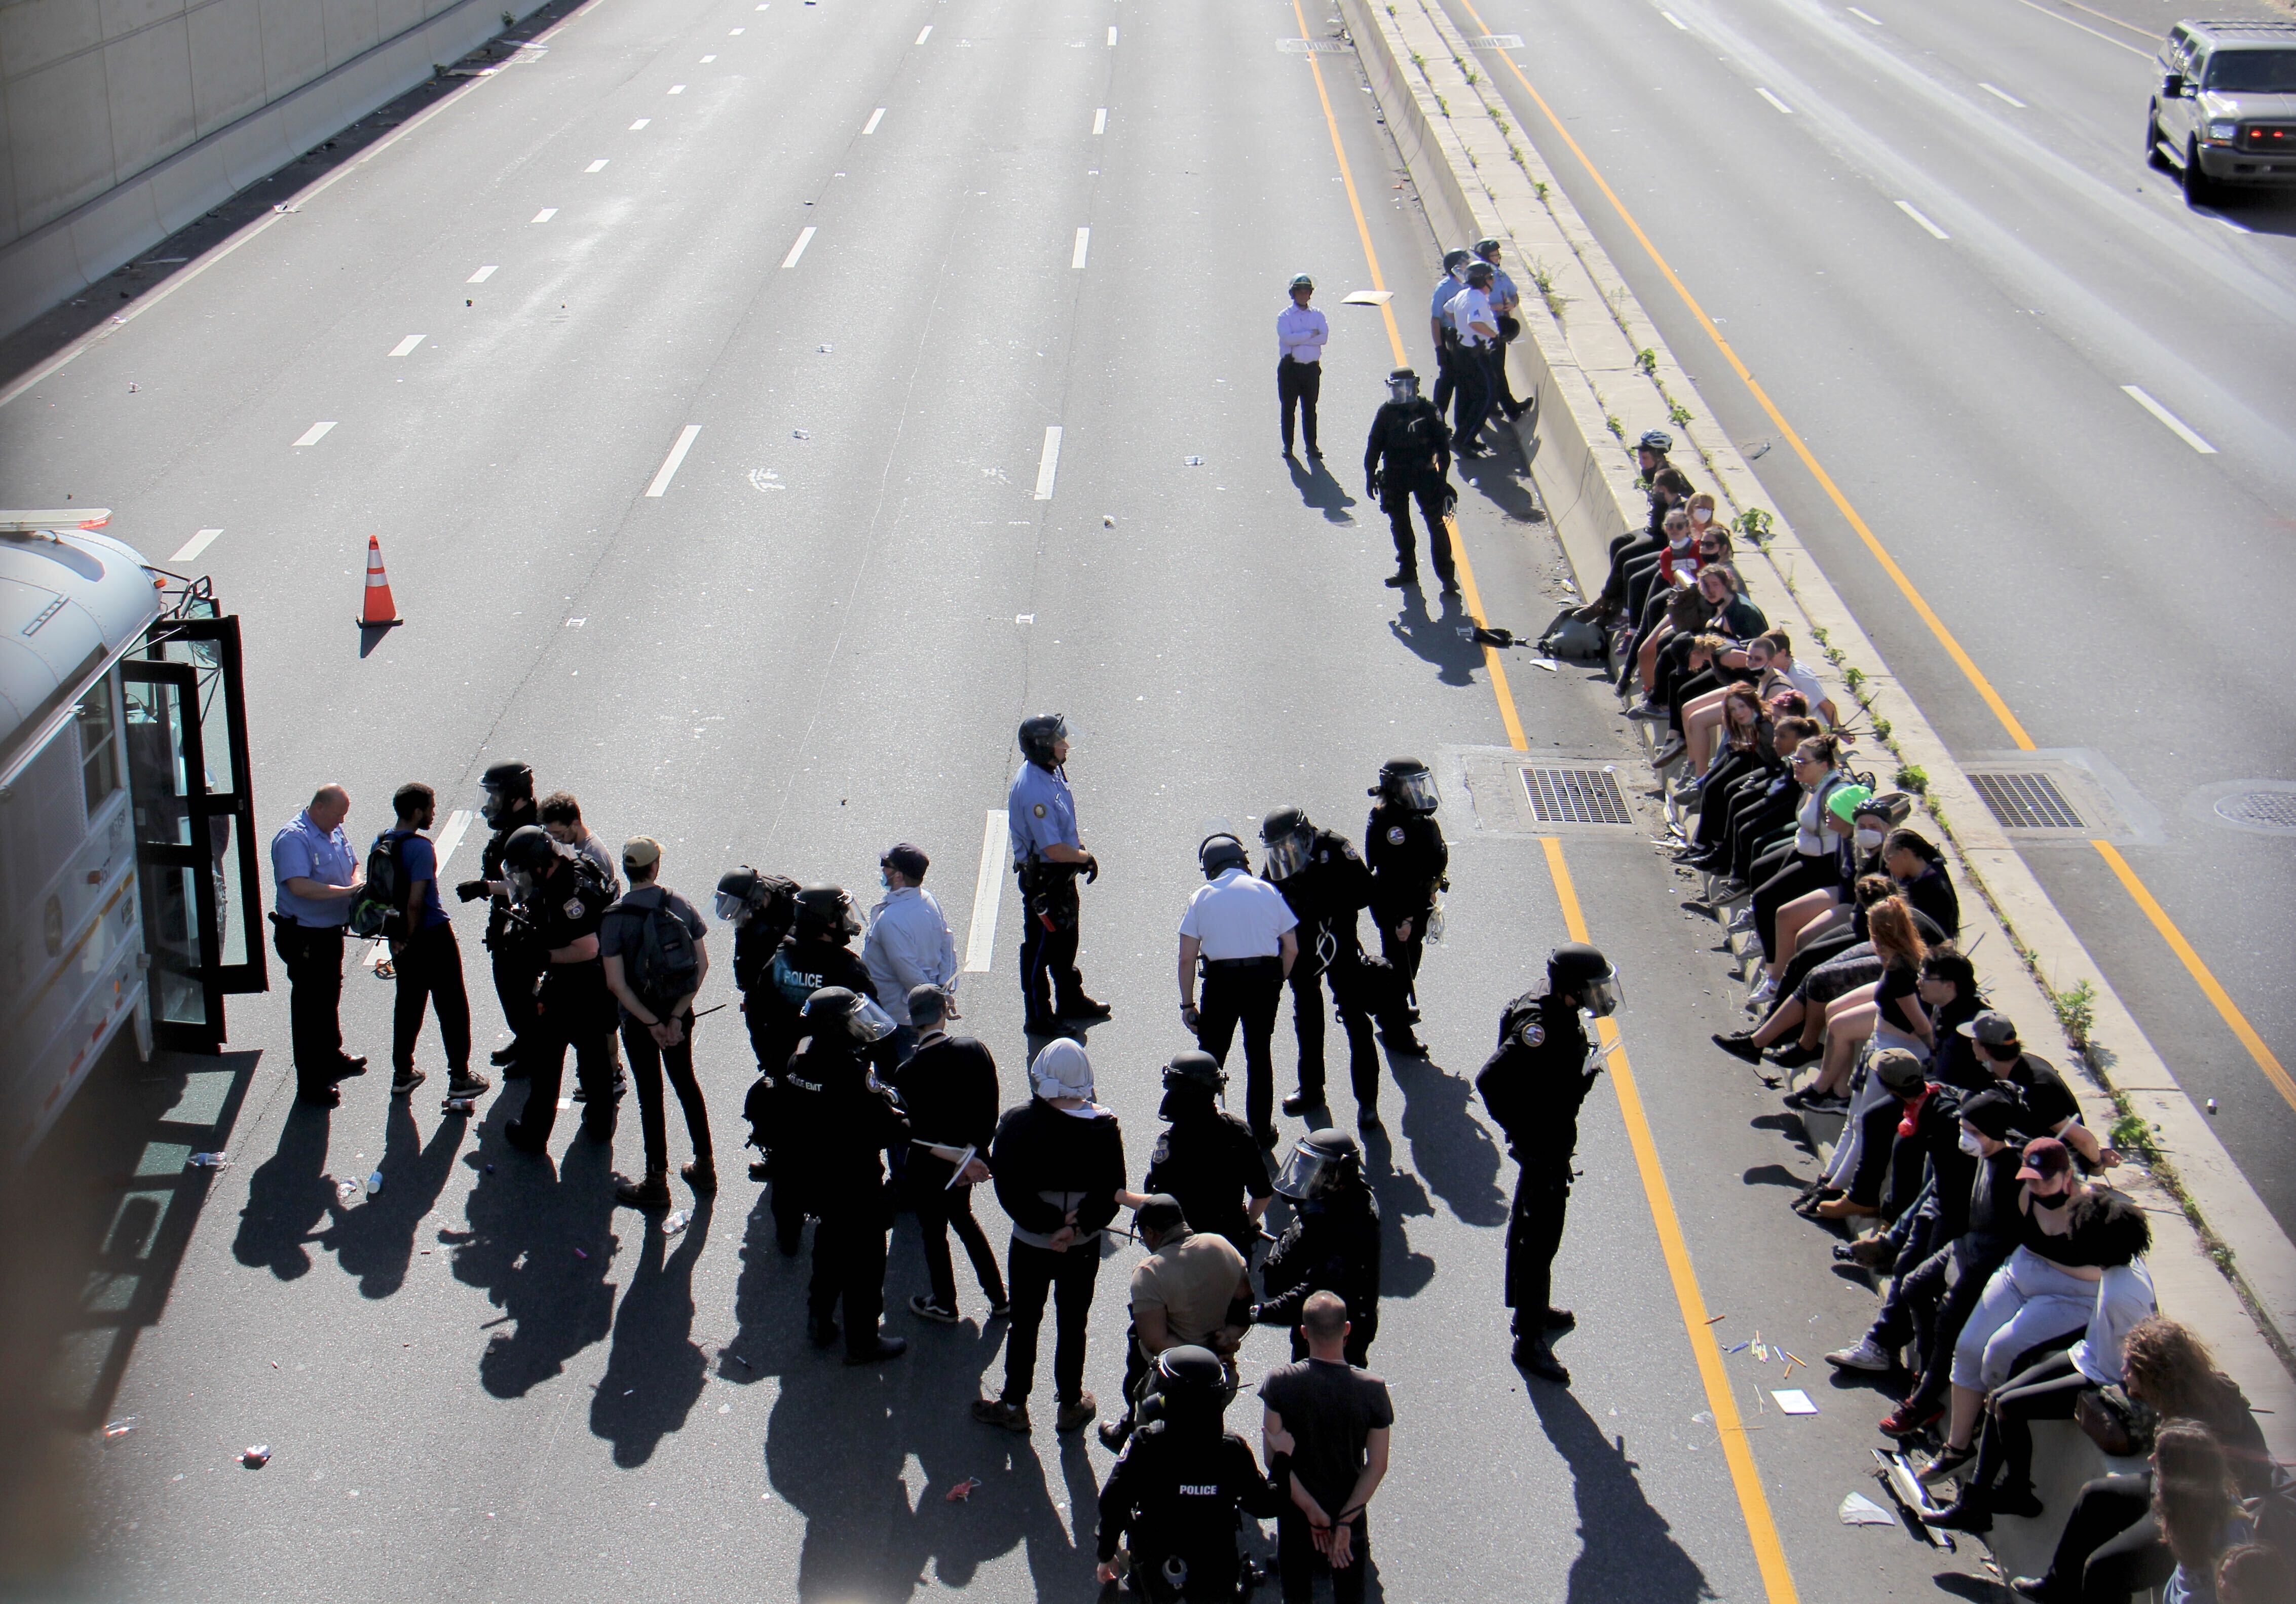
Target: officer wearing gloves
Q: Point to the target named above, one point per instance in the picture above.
(1331, 1246)
(1300, 333)
(1325, 883)
(561, 898)
(1207, 1158)
(1047, 856)
(1533, 1084)
(1404, 850)
(1176, 1490)
(1059, 1165)
(816, 952)
(1408, 458)
(506, 803)
(841, 1120)
(1240, 930)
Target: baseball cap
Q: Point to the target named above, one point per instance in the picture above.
(1992, 1114)
(641, 852)
(1897, 1069)
(1160, 1211)
(908, 859)
(2046, 1159)
(1991, 1029)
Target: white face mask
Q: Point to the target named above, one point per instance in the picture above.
(1969, 1145)
(1869, 840)
(1701, 515)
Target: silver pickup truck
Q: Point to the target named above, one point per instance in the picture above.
(2224, 114)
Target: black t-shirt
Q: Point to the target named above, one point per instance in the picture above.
(2046, 1095)
(2056, 1249)
(1993, 1199)
(1211, 1163)
(1899, 982)
(1331, 1411)
(569, 905)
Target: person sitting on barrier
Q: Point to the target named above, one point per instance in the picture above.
(1759, 807)
(1889, 1010)
(1770, 659)
(1675, 578)
(1666, 486)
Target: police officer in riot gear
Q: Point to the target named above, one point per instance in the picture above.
(1408, 458)
(1533, 1084)
(1331, 1246)
(1403, 847)
(562, 899)
(760, 907)
(1175, 1490)
(1207, 1158)
(506, 803)
(1048, 857)
(816, 952)
(1327, 884)
(839, 1120)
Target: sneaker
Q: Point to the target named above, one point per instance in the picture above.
(1665, 756)
(924, 1307)
(1646, 710)
(1968, 1513)
(1741, 922)
(1000, 1308)
(349, 1065)
(503, 1058)
(1793, 1055)
(1076, 1416)
(405, 1081)
(1867, 1355)
(2032, 1587)
(1765, 992)
(1910, 1420)
(996, 1412)
(650, 1193)
(462, 1083)
(1944, 1462)
(1740, 1045)
(1826, 1103)
(701, 1175)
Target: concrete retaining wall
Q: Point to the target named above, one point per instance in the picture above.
(123, 120)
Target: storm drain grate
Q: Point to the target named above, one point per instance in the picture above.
(2261, 810)
(1314, 47)
(1498, 42)
(2026, 802)
(1561, 795)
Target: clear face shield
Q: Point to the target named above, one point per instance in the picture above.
(1416, 791)
(870, 1023)
(1601, 997)
(730, 907)
(1288, 854)
(521, 883)
(496, 805)
(1308, 1173)
(1403, 389)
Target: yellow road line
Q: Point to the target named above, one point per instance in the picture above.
(2225, 1006)
(2200, 972)
(1473, 598)
(1769, 1553)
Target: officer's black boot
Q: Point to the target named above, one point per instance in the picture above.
(1532, 1353)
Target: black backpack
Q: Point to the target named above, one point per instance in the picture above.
(380, 908)
(778, 917)
(666, 964)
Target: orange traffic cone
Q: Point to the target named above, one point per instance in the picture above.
(379, 610)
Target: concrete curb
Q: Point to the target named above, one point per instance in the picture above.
(69, 255)
(1599, 373)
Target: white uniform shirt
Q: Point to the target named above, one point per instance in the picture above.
(1237, 916)
(1471, 306)
(1300, 333)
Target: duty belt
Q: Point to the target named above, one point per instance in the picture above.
(1235, 965)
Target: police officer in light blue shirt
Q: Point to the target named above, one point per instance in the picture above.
(1047, 855)
(1447, 339)
(313, 875)
(1507, 302)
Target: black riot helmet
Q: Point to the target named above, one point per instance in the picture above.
(1323, 1162)
(1290, 839)
(1578, 971)
(1220, 853)
(836, 1010)
(739, 892)
(1407, 782)
(827, 912)
(1481, 274)
(1039, 736)
(1403, 385)
(527, 856)
(1193, 1383)
(1456, 259)
(1193, 1083)
(1486, 248)
(501, 789)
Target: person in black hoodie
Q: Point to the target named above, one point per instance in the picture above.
(841, 1120)
(1058, 1160)
(949, 1088)
(1331, 1246)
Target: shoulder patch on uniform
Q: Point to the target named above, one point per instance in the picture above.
(1532, 1035)
(1395, 835)
(573, 907)
(1163, 1150)
(1040, 810)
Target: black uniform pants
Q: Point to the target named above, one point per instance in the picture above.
(2112, 1545)
(1542, 1198)
(648, 1061)
(1403, 952)
(517, 966)
(1296, 1557)
(1447, 378)
(1502, 389)
(314, 957)
(1034, 1274)
(1247, 992)
(429, 967)
(573, 1010)
(1473, 395)
(848, 1268)
(1298, 384)
(941, 1209)
(1051, 984)
(1345, 975)
(1396, 494)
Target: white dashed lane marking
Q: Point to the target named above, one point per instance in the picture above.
(798, 249)
(1906, 206)
(318, 432)
(1048, 465)
(407, 346)
(197, 544)
(669, 464)
(2176, 425)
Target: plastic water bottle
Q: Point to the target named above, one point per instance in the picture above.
(676, 1222)
(375, 1183)
(1435, 921)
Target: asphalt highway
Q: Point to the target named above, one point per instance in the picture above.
(829, 293)
(1930, 232)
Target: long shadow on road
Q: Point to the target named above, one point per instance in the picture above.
(1627, 1553)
